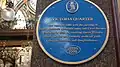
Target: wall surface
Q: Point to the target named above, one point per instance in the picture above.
(106, 59)
(119, 5)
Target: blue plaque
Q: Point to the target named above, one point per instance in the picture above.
(72, 31)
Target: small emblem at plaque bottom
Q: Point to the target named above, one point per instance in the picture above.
(73, 50)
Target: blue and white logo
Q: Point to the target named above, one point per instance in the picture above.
(72, 6)
(73, 50)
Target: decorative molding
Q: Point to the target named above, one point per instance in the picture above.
(116, 23)
(16, 32)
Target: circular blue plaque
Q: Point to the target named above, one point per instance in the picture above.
(72, 31)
